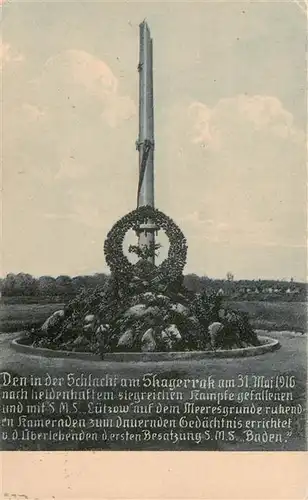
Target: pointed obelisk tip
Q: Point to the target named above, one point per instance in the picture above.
(144, 24)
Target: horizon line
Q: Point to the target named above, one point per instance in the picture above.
(199, 275)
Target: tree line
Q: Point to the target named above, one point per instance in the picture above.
(23, 284)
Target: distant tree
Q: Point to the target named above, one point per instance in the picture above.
(90, 281)
(46, 285)
(230, 276)
(78, 282)
(100, 279)
(19, 284)
(193, 283)
(8, 285)
(64, 285)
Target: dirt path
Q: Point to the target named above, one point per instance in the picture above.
(291, 357)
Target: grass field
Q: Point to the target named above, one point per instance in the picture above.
(14, 317)
(275, 315)
(263, 315)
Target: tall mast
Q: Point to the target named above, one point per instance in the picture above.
(145, 143)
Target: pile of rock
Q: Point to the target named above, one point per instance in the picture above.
(145, 321)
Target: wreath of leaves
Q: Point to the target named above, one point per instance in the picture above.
(171, 268)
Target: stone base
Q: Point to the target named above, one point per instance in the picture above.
(267, 345)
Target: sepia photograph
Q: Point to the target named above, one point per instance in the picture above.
(153, 289)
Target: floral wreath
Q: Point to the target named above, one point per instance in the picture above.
(171, 268)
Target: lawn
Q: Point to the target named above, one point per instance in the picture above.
(14, 317)
(265, 315)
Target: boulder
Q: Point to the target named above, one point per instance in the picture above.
(136, 279)
(137, 310)
(160, 296)
(101, 335)
(166, 340)
(52, 322)
(148, 296)
(81, 340)
(221, 314)
(148, 343)
(89, 318)
(194, 320)
(171, 336)
(102, 329)
(141, 310)
(126, 340)
(89, 328)
(179, 308)
(231, 316)
(152, 310)
(173, 332)
(215, 330)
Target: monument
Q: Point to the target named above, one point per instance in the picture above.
(145, 307)
(145, 142)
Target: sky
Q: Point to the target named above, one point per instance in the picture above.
(230, 132)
